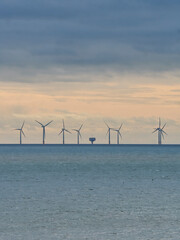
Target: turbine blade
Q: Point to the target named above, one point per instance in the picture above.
(49, 123)
(113, 129)
(107, 131)
(80, 127)
(164, 126)
(63, 123)
(67, 131)
(120, 135)
(80, 135)
(23, 133)
(22, 125)
(120, 127)
(60, 132)
(106, 124)
(39, 123)
(155, 130)
(164, 132)
(75, 130)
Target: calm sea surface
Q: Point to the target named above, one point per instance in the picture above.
(81, 192)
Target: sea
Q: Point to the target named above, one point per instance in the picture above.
(94, 192)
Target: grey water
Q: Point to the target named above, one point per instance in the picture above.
(82, 192)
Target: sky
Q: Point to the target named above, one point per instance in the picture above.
(88, 62)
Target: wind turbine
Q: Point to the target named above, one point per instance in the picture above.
(21, 132)
(78, 133)
(161, 132)
(118, 133)
(63, 132)
(109, 132)
(44, 126)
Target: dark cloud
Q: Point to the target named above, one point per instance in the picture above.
(127, 35)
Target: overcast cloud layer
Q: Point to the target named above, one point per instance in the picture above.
(133, 35)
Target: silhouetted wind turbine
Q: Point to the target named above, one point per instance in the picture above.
(78, 133)
(109, 132)
(44, 126)
(21, 132)
(160, 131)
(118, 133)
(63, 132)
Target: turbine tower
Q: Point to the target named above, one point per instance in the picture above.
(78, 133)
(161, 132)
(109, 132)
(63, 132)
(21, 132)
(44, 126)
(118, 133)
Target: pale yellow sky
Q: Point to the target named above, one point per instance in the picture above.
(133, 99)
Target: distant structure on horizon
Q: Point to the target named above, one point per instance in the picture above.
(118, 133)
(92, 140)
(63, 131)
(44, 126)
(78, 133)
(20, 132)
(160, 132)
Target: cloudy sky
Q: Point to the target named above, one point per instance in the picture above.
(89, 62)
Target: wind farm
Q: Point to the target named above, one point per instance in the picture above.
(111, 131)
